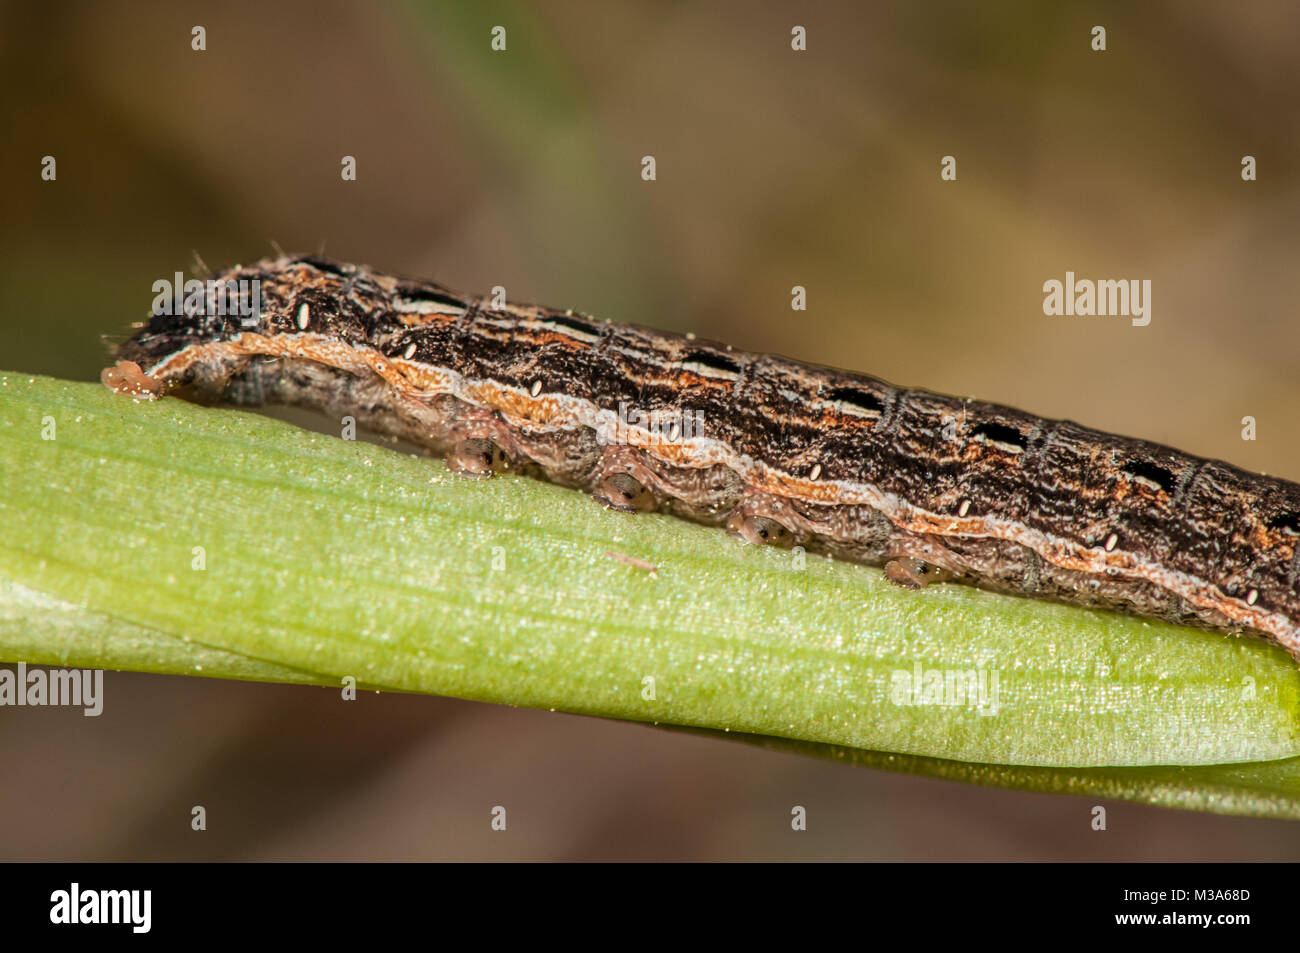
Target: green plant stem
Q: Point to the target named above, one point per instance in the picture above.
(166, 537)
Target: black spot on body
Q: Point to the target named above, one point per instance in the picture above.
(573, 324)
(712, 360)
(1288, 523)
(1153, 472)
(323, 264)
(861, 399)
(1001, 433)
(428, 293)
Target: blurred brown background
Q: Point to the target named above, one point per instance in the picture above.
(775, 168)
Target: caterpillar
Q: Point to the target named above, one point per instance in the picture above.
(933, 488)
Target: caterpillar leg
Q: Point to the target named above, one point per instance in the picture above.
(622, 491)
(761, 520)
(623, 481)
(912, 573)
(126, 377)
(476, 457)
(760, 531)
